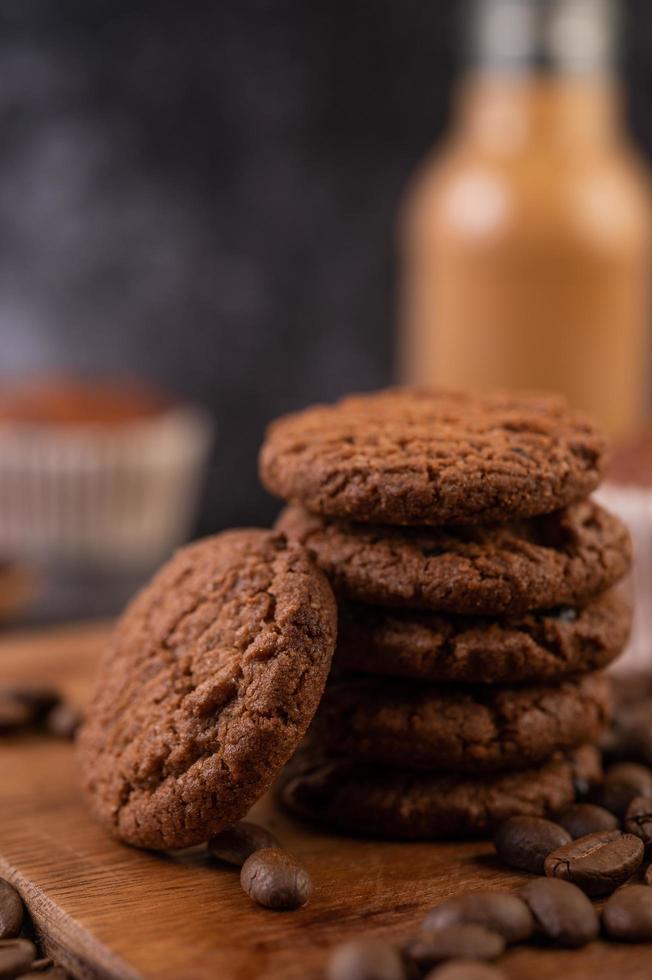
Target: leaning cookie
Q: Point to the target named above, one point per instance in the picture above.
(538, 646)
(211, 679)
(395, 803)
(407, 456)
(466, 729)
(559, 559)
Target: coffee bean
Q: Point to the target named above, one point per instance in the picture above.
(234, 846)
(499, 912)
(622, 783)
(561, 911)
(63, 721)
(365, 959)
(11, 910)
(525, 842)
(471, 941)
(39, 698)
(597, 863)
(581, 819)
(647, 877)
(21, 707)
(275, 879)
(16, 957)
(638, 819)
(466, 970)
(14, 714)
(628, 914)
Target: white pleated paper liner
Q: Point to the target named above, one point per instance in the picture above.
(121, 497)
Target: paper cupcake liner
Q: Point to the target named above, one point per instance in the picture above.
(124, 497)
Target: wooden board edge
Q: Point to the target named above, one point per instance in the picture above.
(74, 949)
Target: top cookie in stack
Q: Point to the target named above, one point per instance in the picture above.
(413, 457)
(459, 536)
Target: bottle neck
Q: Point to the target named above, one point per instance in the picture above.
(574, 37)
(506, 112)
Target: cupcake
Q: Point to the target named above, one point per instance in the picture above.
(97, 472)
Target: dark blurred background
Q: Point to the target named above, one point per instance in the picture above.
(205, 194)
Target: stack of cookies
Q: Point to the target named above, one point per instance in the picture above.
(474, 577)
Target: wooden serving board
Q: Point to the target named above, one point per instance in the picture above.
(109, 911)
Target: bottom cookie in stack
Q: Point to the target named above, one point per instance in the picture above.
(394, 802)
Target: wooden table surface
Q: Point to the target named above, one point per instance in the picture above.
(106, 910)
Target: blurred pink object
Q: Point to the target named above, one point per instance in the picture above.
(628, 492)
(634, 505)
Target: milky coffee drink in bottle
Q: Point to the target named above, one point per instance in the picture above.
(526, 239)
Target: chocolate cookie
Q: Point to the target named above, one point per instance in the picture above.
(396, 803)
(536, 646)
(558, 559)
(406, 456)
(212, 676)
(467, 729)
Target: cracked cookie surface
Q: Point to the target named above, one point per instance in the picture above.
(382, 801)
(209, 682)
(563, 558)
(467, 729)
(534, 646)
(405, 456)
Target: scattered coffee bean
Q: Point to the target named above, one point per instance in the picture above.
(11, 910)
(275, 879)
(499, 912)
(525, 842)
(628, 914)
(63, 721)
(581, 819)
(365, 959)
(466, 970)
(16, 957)
(647, 877)
(638, 819)
(14, 714)
(23, 707)
(597, 863)
(621, 784)
(471, 941)
(561, 911)
(40, 699)
(234, 846)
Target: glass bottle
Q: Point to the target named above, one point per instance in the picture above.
(526, 239)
